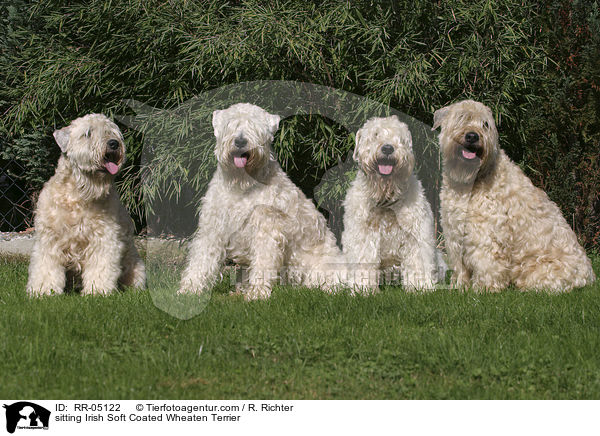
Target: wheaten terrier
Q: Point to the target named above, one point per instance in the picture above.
(254, 215)
(499, 228)
(388, 222)
(80, 224)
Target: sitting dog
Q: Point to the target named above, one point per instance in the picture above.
(80, 224)
(499, 228)
(254, 215)
(388, 223)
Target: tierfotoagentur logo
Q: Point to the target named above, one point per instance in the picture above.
(24, 415)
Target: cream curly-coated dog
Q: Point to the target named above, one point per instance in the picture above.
(254, 215)
(388, 223)
(499, 228)
(80, 224)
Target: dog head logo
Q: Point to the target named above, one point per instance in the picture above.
(26, 415)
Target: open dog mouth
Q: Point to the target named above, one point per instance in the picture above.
(112, 162)
(470, 152)
(240, 160)
(385, 166)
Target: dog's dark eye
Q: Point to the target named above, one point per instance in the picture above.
(486, 125)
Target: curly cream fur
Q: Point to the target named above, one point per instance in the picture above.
(499, 228)
(388, 223)
(80, 224)
(255, 216)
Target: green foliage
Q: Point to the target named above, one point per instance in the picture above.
(563, 152)
(535, 64)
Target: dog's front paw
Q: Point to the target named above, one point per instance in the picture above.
(193, 287)
(254, 292)
(192, 290)
(459, 280)
(96, 290)
(42, 292)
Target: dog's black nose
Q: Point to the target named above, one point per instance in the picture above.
(471, 137)
(113, 144)
(240, 142)
(387, 149)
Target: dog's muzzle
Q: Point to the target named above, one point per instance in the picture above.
(241, 160)
(240, 157)
(112, 160)
(387, 149)
(470, 150)
(385, 166)
(240, 142)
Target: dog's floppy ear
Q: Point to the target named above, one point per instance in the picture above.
(274, 123)
(491, 115)
(61, 137)
(357, 140)
(217, 122)
(438, 117)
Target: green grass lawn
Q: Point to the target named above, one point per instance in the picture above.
(301, 344)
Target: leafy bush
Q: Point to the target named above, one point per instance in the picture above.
(562, 154)
(534, 64)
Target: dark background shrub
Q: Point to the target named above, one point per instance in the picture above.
(536, 64)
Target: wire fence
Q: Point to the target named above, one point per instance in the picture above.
(16, 205)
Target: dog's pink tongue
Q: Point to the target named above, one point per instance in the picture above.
(240, 161)
(111, 167)
(385, 169)
(468, 154)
